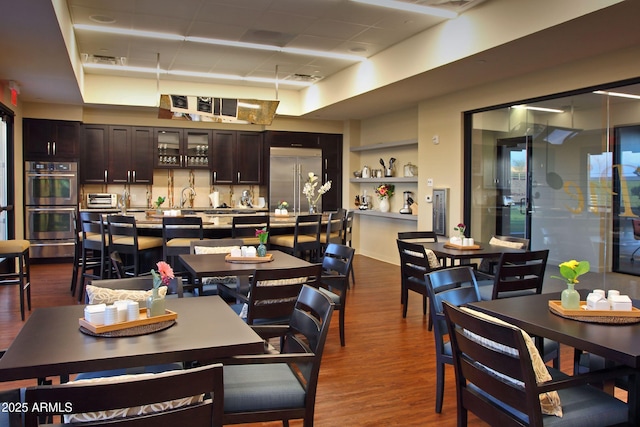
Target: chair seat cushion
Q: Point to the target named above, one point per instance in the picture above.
(15, 246)
(250, 241)
(144, 242)
(261, 387)
(286, 240)
(181, 242)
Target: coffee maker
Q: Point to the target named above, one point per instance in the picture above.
(408, 201)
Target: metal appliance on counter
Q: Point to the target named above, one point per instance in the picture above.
(289, 171)
(102, 201)
(51, 190)
(246, 199)
(408, 201)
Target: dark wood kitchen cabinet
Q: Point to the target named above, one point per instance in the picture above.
(130, 154)
(51, 140)
(182, 148)
(116, 155)
(236, 157)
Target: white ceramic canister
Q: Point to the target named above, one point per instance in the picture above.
(366, 173)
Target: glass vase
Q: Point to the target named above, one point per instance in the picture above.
(261, 250)
(155, 304)
(570, 298)
(313, 209)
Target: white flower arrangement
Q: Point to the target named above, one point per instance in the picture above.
(309, 189)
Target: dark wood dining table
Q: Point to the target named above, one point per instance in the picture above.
(615, 342)
(451, 255)
(208, 265)
(51, 344)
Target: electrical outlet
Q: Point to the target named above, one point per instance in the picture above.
(430, 182)
(428, 198)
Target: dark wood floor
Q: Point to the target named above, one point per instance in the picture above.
(385, 376)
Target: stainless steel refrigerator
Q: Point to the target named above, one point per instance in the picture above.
(289, 170)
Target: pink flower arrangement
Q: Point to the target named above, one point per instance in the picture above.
(262, 234)
(163, 276)
(385, 190)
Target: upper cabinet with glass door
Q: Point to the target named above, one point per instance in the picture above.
(182, 148)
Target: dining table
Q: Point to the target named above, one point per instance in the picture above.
(451, 254)
(615, 342)
(209, 265)
(51, 344)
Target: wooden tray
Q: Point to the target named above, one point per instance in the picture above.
(595, 316)
(142, 321)
(248, 260)
(462, 248)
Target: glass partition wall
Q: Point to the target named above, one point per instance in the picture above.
(563, 172)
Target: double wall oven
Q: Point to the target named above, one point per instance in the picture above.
(51, 200)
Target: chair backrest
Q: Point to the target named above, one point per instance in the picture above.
(347, 233)
(311, 318)
(481, 363)
(274, 292)
(425, 236)
(121, 226)
(92, 224)
(457, 286)
(215, 245)
(185, 227)
(245, 226)
(336, 267)
(520, 271)
(113, 394)
(139, 283)
(414, 263)
(335, 223)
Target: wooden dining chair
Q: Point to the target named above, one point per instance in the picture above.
(517, 274)
(501, 378)
(334, 282)
(93, 255)
(281, 387)
(457, 286)
(234, 287)
(334, 230)
(414, 264)
(273, 293)
(193, 397)
(347, 237)
(488, 264)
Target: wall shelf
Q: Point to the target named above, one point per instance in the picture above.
(412, 179)
(389, 215)
(384, 145)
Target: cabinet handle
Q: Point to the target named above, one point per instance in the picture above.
(238, 176)
(54, 148)
(48, 148)
(105, 175)
(128, 176)
(181, 160)
(215, 176)
(134, 175)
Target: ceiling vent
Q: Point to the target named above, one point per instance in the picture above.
(304, 78)
(458, 6)
(104, 59)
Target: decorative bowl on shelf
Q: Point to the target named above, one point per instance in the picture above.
(357, 174)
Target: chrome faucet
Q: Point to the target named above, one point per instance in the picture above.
(182, 198)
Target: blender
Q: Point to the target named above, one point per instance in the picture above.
(408, 201)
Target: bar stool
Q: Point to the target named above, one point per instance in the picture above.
(177, 234)
(124, 239)
(335, 229)
(347, 233)
(305, 239)
(93, 255)
(240, 228)
(18, 249)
